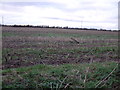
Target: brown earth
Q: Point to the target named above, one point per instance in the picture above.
(18, 56)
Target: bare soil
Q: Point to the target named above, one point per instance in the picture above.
(15, 54)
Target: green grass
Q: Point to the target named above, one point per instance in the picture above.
(9, 34)
(82, 36)
(48, 76)
(53, 53)
(92, 50)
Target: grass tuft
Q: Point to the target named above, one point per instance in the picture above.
(94, 75)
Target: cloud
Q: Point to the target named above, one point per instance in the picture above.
(91, 13)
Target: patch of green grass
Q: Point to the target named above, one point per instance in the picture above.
(82, 36)
(53, 53)
(8, 34)
(91, 50)
(67, 75)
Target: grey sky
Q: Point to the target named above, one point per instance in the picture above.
(72, 13)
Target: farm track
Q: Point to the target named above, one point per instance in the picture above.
(30, 46)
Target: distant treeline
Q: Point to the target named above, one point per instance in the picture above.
(58, 27)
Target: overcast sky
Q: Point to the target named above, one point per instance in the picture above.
(73, 13)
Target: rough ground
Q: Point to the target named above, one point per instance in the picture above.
(30, 46)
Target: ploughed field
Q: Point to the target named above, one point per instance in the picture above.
(59, 58)
(24, 46)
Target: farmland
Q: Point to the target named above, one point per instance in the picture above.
(56, 58)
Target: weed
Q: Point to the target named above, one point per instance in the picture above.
(80, 75)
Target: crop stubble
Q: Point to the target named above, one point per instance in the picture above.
(24, 46)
